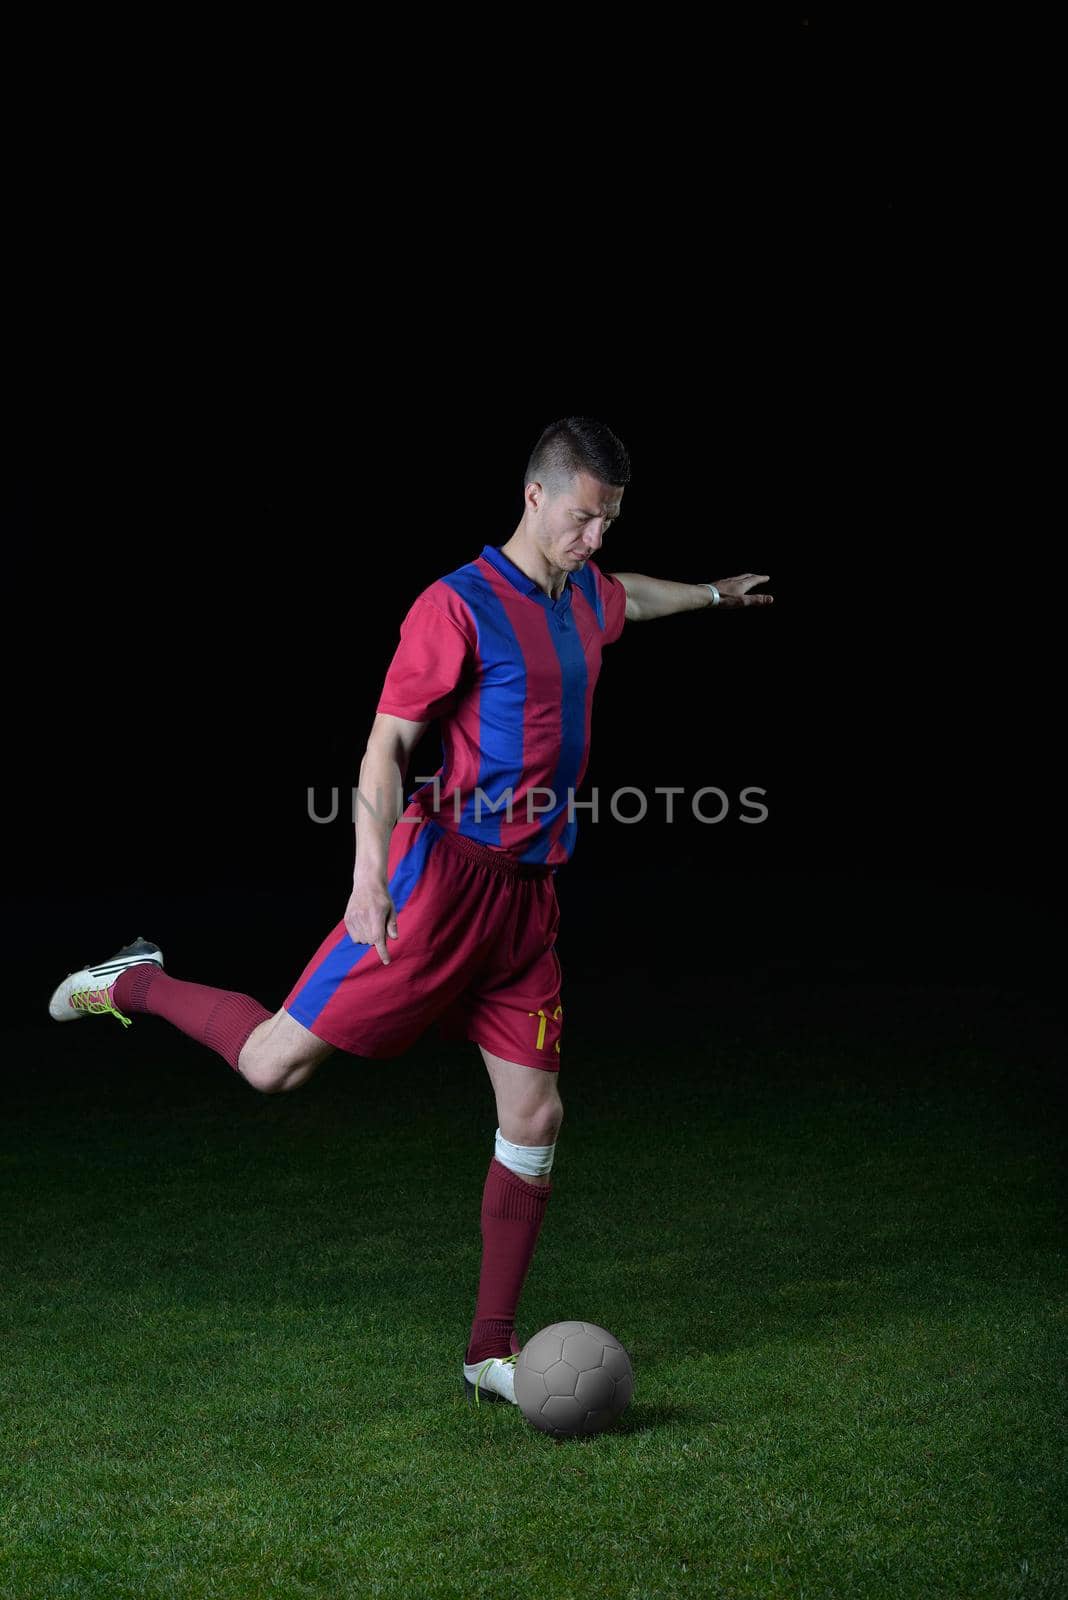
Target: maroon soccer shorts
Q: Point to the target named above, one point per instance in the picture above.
(475, 953)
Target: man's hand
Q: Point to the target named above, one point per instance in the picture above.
(734, 591)
(370, 915)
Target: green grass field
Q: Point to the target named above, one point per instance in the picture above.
(828, 1229)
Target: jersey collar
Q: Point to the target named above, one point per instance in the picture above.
(520, 581)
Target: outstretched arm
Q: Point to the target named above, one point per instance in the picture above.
(657, 597)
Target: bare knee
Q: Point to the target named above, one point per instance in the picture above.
(529, 1109)
(263, 1076)
(275, 1077)
(269, 1085)
(281, 1054)
(539, 1125)
(275, 1080)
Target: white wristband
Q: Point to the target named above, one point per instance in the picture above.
(715, 593)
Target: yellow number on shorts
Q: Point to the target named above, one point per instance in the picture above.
(541, 1026)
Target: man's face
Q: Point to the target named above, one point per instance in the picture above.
(571, 527)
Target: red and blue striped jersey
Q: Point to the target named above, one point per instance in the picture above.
(510, 674)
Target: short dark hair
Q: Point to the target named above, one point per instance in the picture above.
(577, 444)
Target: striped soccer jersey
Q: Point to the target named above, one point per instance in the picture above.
(510, 674)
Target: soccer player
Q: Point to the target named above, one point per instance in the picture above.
(453, 914)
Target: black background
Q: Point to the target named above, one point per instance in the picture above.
(288, 404)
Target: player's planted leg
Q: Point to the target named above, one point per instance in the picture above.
(514, 1199)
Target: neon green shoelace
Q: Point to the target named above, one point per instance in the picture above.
(508, 1360)
(97, 1001)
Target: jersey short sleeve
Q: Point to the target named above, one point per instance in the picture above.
(614, 601)
(431, 663)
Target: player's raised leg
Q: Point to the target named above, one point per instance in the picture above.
(272, 1052)
(514, 1198)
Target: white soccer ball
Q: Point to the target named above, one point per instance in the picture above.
(573, 1378)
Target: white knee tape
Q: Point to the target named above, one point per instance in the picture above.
(531, 1160)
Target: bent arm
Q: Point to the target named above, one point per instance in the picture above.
(381, 791)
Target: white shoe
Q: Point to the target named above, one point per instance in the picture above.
(85, 992)
(493, 1379)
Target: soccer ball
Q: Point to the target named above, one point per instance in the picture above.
(573, 1378)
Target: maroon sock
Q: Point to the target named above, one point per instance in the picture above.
(512, 1212)
(219, 1018)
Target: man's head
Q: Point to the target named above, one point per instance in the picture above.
(573, 489)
